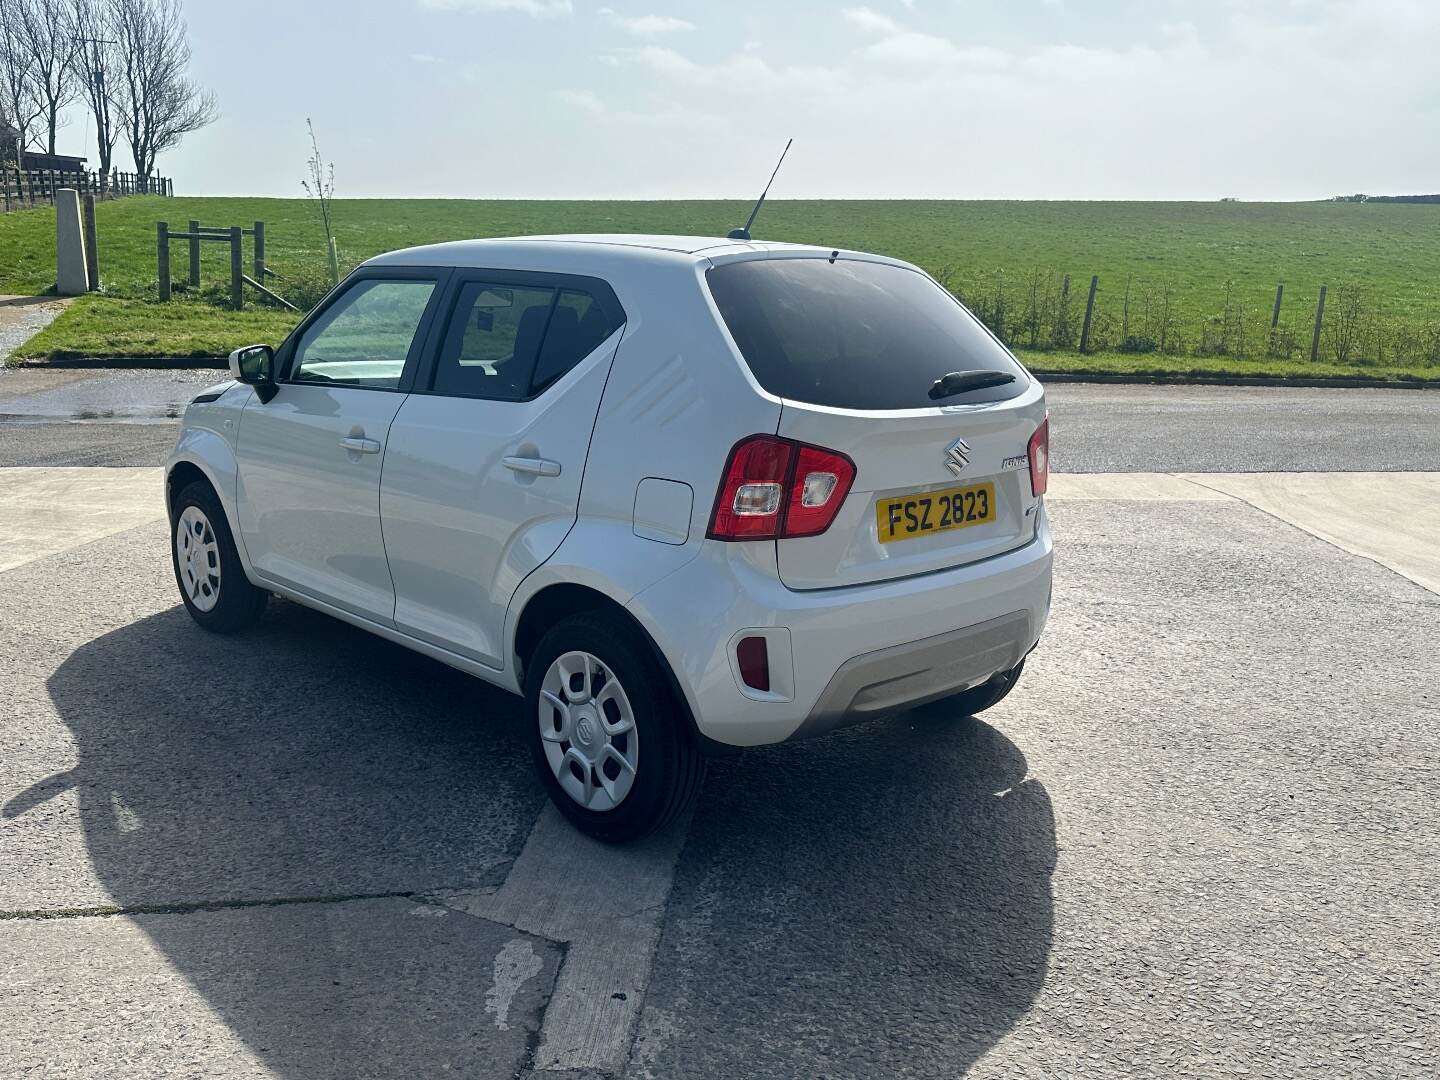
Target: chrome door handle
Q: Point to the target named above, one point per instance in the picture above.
(533, 465)
(360, 444)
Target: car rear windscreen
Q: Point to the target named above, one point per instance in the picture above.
(853, 334)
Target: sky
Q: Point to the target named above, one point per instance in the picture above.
(641, 99)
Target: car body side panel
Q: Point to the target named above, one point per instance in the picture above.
(461, 529)
(207, 441)
(675, 403)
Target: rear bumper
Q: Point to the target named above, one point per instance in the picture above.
(845, 653)
(904, 676)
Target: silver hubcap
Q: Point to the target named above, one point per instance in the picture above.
(588, 729)
(198, 555)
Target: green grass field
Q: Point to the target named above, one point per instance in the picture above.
(1201, 276)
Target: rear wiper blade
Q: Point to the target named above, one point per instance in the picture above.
(958, 382)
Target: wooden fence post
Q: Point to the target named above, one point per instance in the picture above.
(237, 267)
(1089, 310)
(92, 262)
(260, 252)
(194, 254)
(162, 253)
(1275, 315)
(1319, 318)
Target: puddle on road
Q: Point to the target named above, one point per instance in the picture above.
(140, 396)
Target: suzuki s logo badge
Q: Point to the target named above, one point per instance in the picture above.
(957, 456)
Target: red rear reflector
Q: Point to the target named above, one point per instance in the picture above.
(753, 656)
(774, 488)
(1038, 453)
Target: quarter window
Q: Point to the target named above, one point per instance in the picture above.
(510, 342)
(364, 338)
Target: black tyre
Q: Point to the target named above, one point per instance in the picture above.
(212, 582)
(611, 742)
(989, 693)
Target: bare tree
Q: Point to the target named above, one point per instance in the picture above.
(95, 66)
(320, 186)
(43, 32)
(158, 105)
(17, 90)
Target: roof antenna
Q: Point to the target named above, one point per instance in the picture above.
(744, 234)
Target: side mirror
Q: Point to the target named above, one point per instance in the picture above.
(254, 365)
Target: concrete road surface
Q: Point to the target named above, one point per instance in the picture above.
(1199, 839)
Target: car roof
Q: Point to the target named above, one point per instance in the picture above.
(579, 250)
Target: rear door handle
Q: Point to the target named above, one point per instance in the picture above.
(533, 465)
(360, 445)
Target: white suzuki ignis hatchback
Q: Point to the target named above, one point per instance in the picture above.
(683, 494)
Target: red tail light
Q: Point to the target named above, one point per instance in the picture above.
(1038, 453)
(774, 488)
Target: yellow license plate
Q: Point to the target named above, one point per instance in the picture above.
(935, 511)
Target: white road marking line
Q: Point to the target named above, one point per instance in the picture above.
(48, 511)
(606, 903)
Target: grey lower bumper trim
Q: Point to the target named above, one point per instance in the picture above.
(918, 671)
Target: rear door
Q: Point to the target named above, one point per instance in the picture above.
(309, 459)
(855, 349)
(484, 460)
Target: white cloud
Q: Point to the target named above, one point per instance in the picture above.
(425, 58)
(584, 100)
(657, 58)
(539, 9)
(872, 21)
(910, 48)
(647, 26)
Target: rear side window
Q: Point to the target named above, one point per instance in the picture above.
(854, 335)
(510, 342)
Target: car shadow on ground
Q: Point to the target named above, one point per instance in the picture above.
(879, 896)
(304, 760)
(873, 904)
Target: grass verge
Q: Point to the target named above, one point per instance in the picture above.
(1218, 367)
(104, 326)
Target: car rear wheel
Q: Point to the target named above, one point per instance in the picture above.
(608, 735)
(989, 693)
(212, 582)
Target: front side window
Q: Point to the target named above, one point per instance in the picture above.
(853, 334)
(510, 342)
(364, 338)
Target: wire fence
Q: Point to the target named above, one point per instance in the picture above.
(1346, 324)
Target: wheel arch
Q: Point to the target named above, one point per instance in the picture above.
(182, 474)
(202, 454)
(558, 600)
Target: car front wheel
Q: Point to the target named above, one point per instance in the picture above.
(610, 740)
(212, 582)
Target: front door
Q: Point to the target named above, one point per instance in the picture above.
(309, 459)
(484, 460)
